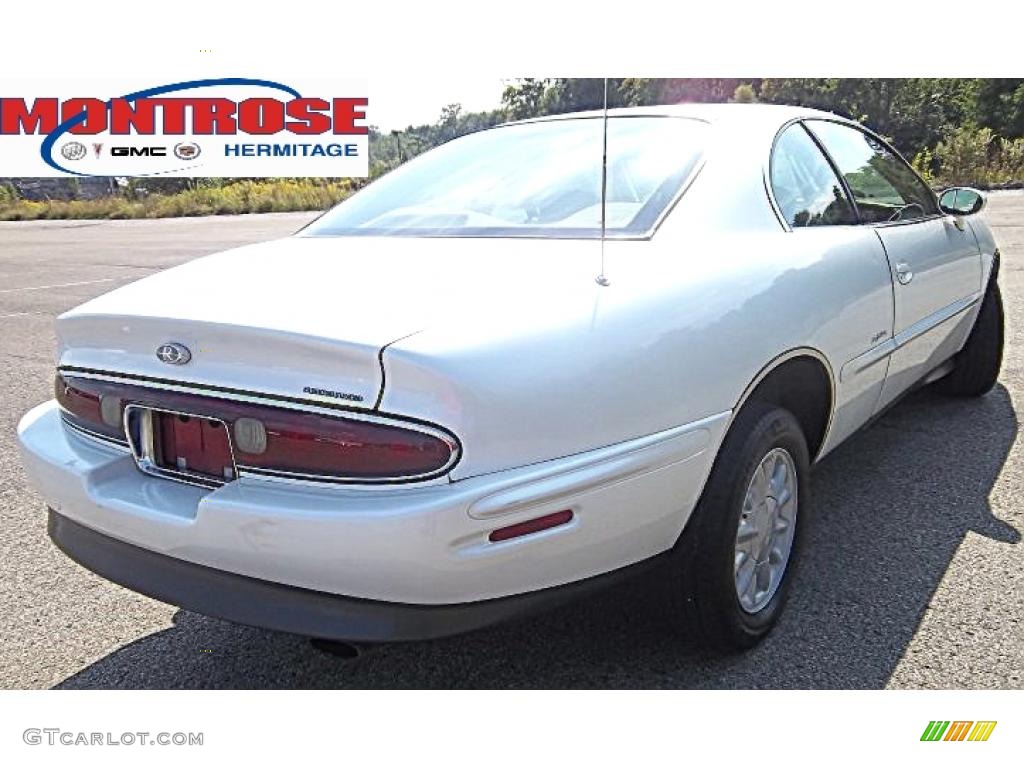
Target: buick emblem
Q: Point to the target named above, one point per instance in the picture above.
(173, 354)
(73, 150)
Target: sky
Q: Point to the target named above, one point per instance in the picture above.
(396, 104)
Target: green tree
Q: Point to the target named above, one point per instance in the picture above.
(575, 94)
(744, 94)
(522, 97)
(999, 105)
(528, 98)
(913, 112)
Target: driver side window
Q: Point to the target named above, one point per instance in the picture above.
(883, 186)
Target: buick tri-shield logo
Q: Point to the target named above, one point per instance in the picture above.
(73, 150)
(173, 354)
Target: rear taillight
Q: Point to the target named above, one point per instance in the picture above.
(274, 440)
(87, 406)
(315, 444)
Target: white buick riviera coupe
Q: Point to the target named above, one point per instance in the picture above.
(505, 374)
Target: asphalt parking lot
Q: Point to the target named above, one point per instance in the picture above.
(913, 578)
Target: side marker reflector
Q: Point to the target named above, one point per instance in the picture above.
(532, 526)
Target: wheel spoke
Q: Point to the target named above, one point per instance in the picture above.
(763, 572)
(745, 578)
(784, 496)
(779, 477)
(746, 532)
(759, 485)
(750, 505)
(741, 557)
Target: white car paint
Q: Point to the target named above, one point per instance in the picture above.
(425, 544)
(609, 400)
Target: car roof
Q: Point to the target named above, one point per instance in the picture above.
(717, 113)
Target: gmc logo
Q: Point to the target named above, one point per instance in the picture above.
(138, 151)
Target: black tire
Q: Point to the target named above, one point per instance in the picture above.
(700, 591)
(976, 367)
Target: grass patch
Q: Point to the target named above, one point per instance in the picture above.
(274, 195)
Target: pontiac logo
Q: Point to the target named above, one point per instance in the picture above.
(173, 354)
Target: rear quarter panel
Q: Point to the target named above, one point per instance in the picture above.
(684, 328)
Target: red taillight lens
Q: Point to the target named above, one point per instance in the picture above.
(314, 444)
(82, 404)
(268, 439)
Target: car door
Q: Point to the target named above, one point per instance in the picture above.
(854, 295)
(934, 258)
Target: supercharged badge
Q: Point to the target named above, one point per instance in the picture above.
(332, 393)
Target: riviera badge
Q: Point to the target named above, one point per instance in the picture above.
(173, 354)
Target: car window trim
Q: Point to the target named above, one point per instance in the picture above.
(770, 189)
(868, 132)
(836, 172)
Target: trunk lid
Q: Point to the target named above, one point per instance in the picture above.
(307, 317)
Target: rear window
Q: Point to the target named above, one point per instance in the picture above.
(530, 180)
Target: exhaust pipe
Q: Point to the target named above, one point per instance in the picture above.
(338, 648)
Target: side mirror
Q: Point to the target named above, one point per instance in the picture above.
(961, 201)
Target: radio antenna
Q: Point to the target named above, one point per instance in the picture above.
(601, 279)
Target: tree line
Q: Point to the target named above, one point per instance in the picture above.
(967, 130)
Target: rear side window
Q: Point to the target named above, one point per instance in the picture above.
(807, 190)
(884, 187)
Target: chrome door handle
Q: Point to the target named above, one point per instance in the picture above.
(904, 274)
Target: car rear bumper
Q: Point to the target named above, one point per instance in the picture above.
(420, 545)
(259, 603)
